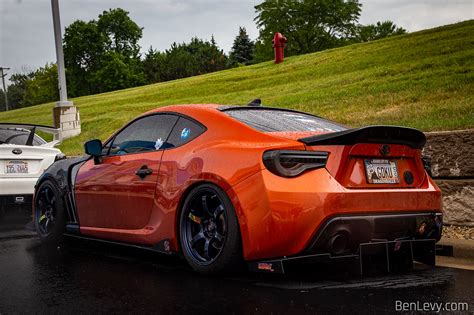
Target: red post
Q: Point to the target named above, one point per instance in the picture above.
(279, 42)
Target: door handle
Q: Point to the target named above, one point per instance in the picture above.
(144, 171)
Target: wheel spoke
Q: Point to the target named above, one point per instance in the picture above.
(46, 225)
(42, 226)
(48, 200)
(219, 210)
(205, 205)
(219, 241)
(218, 237)
(206, 248)
(197, 238)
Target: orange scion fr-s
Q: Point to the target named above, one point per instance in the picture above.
(224, 185)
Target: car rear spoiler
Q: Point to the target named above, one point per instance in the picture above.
(371, 134)
(56, 132)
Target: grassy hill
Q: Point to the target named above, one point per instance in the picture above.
(422, 80)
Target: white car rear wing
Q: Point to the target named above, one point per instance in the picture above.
(56, 132)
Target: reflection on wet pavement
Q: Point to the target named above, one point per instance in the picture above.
(81, 276)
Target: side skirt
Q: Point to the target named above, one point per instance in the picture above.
(162, 247)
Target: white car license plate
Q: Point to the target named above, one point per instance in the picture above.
(381, 171)
(16, 167)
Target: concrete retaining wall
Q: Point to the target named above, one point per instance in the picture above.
(452, 155)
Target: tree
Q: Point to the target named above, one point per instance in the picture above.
(207, 55)
(116, 72)
(121, 32)
(263, 51)
(84, 49)
(184, 60)
(17, 89)
(242, 51)
(154, 66)
(309, 25)
(42, 87)
(33, 87)
(379, 30)
(92, 49)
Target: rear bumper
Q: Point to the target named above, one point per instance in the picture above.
(342, 235)
(16, 205)
(281, 217)
(17, 186)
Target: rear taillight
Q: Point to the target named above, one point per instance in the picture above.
(293, 163)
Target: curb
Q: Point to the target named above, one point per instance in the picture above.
(460, 248)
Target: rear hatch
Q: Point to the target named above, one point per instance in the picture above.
(373, 157)
(21, 161)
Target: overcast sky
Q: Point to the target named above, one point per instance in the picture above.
(26, 33)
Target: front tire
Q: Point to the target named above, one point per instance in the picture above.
(209, 231)
(50, 218)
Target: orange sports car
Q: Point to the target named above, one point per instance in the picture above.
(224, 185)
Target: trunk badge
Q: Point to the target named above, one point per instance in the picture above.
(385, 150)
(17, 151)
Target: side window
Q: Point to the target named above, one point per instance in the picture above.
(184, 131)
(146, 134)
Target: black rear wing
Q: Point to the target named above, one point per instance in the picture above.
(371, 134)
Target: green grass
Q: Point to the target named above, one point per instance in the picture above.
(422, 80)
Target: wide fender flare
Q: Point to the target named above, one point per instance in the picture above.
(214, 179)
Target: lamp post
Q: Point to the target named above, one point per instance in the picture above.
(3, 75)
(65, 114)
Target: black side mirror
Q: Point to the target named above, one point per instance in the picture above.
(94, 148)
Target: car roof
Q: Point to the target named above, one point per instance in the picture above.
(203, 113)
(183, 108)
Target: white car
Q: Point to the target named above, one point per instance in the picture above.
(24, 156)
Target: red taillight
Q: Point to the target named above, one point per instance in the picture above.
(293, 163)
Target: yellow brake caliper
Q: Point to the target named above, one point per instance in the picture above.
(194, 218)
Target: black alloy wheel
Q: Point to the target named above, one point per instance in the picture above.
(49, 212)
(209, 231)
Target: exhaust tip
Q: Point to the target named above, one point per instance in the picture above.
(338, 243)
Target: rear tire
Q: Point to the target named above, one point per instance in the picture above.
(49, 215)
(209, 231)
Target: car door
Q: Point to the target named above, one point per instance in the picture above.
(178, 165)
(118, 192)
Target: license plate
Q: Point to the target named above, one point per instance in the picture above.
(381, 171)
(16, 167)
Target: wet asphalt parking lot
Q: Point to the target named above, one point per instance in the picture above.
(83, 276)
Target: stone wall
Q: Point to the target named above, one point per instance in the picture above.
(452, 155)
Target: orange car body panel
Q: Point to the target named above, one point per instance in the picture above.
(277, 216)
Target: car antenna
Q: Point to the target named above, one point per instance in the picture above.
(256, 102)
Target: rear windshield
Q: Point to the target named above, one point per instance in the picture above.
(274, 120)
(18, 137)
